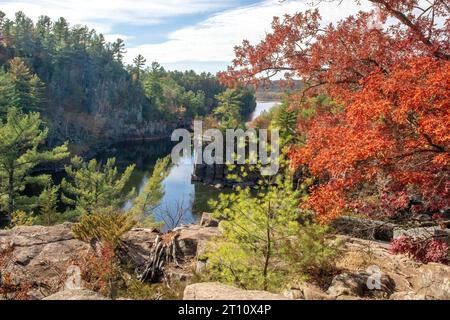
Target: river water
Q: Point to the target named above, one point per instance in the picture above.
(182, 196)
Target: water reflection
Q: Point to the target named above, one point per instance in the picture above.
(181, 194)
(263, 106)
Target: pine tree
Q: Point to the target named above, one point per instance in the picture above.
(48, 204)
(152, 193)
(21, 136)
(118, 50)
(139, 63)
(229, 109)
(28, 88)
(6, 92)
(259, 231)
(91, 186)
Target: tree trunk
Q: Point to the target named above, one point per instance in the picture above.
(268, 248)
(10, 197)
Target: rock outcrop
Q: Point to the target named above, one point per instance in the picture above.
(365, 270)
(431, 280)
(78, 294)
(42, 256)
(218, 291)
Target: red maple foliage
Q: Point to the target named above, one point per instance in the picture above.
(389, 142)
(431, 250)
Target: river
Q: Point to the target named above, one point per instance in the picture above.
(183, 198)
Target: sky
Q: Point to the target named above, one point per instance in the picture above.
(179, 34)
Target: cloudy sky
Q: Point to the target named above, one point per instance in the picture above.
(180, 34)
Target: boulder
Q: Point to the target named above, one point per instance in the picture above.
(429, 280)
(79, 294)
(361, 285)
(423, 233)
(193, 237)
(207, 220)
(306, 291)
(41, 256)
(364, 228)
(408, 295)
(218, 291)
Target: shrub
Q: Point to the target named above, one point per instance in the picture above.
(101, 271)
(106, 225)
(9, 289)
(425, 251)
(21, 218)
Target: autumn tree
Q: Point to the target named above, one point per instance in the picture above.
(382, 145)
(92, 186)
(21, 139)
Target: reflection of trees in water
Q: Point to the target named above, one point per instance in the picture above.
(143, 154)
(203, 193)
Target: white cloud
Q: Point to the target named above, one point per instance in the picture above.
(111, 37)
(103, 14)
(215, 38)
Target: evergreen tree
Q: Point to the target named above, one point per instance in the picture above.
(21, 136)
(259, 231)
(152, 193)
(48, 204)
(118, 50)
(28, 88)
(139, 63)
(91, 186)
(7, 92)
(229, 109)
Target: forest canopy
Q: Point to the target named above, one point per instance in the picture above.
(81, 86)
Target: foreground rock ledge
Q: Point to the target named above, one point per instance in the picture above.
(79, 294)
(218, 291)
(43, 255)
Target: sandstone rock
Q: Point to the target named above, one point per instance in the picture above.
(423, 233)
(431, 280)
(363, 228)
(218, 291)
(307, 291)
(408, 295)
(293, 294)
(207, 220)
(41, 256)
(347, 297)
(80, 294)
(359, 284)
(194, 236)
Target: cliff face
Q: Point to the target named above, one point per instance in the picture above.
(91, 132)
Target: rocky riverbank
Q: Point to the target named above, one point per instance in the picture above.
(366, 270)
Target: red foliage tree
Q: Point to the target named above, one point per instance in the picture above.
(390, 140)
